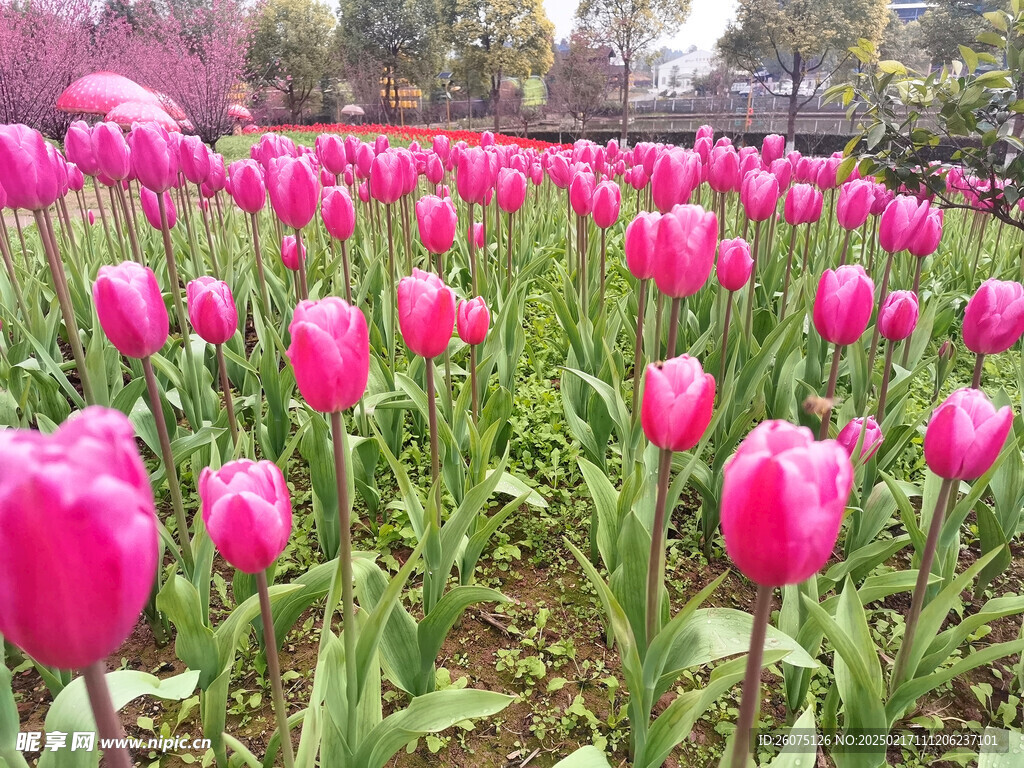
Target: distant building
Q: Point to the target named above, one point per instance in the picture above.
(909, 10)
(677, 75)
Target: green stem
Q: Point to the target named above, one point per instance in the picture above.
(638, 347)
(12, 277)
(107, 722)
(887, 367)
(753, 279)
(979, 362)
(435, 461)
(348, 275)
(725, 339)
(921, 587)
(750, 701)
(130, 223)
(209, 235)
(225, 388)
(303, 287)
(883, 292)
(656, 561)
(169, 468)
(673, 327)
(472, 251)
(833, 375)
(789, 270)
(66, 308)
(274, 670)
(508, 253)
(260, 273)
(348, 611)
(475, 408)
(846, 246)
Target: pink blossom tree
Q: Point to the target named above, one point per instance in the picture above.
(196, 54)
(44, 46)
(193, 52)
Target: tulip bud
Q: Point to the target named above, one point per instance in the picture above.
(558, 171)
(330, 352)
(292, 253)
(151, 208)
(759, 194)
(154, 159)
(924, 241)
(685, 250)
(386, 178)
(607, 201)
(965, 435)
(131, 308)
(734, 263)
(434, 169)
(30, 176)
(883, 197)
(677, 402)
(78, 537)
(75, 179)
(79, 147)
(826, 178)
(426, 313)
(211, 309)
(676, 174)
(900, 220)
(782, 170)
(783, 497)
(338, 212)
(803, 205)
(247, 511)
(898, 315)
(854, 203)
(294, 189)
(194, 158)
(724, 169)
(472, 176)
(247, 188)
(772, 149)
(850, 436)
(843, 304)
(641, 242)
(476, 236)
(111, 149)
(473, 320)
(994, 318)
(511, 189)
(437, 223)
(581, 193)
(331, 152)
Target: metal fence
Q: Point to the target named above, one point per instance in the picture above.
(760, 102)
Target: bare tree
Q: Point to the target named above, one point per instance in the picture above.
(630, 27)
(580, 80)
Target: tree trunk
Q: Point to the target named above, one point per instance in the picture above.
(625, 101)
(394, 85)
(794, 102)
(496, 101)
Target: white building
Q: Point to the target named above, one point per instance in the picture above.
(677, 76)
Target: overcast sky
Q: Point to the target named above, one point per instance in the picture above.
(703, 27)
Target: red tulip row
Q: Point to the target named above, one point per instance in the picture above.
(410, 133)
